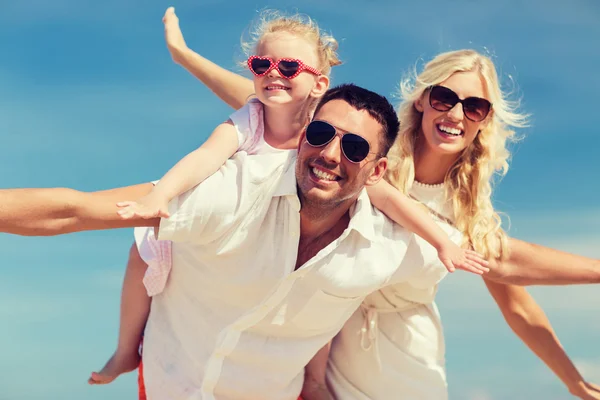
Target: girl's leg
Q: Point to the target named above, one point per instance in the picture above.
(135, 307)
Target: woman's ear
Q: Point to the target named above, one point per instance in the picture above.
(419, 103)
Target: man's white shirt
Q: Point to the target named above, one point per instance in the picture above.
(235, 320)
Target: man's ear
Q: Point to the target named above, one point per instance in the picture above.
(378, 171)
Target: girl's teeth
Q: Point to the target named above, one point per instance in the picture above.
(323, 175)
(276, 88)
(451, 131)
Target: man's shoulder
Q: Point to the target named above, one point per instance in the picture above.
(239, 192)
(385, 229)
(243, 168)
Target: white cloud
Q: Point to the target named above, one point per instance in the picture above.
(479, 394)
(463, 297)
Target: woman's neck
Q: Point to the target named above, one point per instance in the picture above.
(283, 125)
(432, 168)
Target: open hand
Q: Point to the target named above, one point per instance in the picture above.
(173, 35)
(453, 257)
(147, 207)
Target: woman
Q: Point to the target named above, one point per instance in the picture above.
(447, 154)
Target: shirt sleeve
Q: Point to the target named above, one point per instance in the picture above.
(248, 123)
(431, 270)
(222, 202)
(205, 211)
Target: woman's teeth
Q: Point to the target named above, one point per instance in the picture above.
(450, 131)
(323, 175)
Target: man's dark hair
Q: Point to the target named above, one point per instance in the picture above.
(376, 105)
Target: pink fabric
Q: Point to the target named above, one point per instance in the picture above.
(157, 253)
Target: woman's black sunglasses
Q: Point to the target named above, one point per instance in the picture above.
(443, 99)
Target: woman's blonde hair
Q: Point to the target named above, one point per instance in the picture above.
(301, 25)
(469, 181)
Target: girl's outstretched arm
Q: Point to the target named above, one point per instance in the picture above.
(187, 173)
(413, 217)
(230, 87)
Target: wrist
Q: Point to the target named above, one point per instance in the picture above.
(180, 53)
(443, 244)
(577, 388)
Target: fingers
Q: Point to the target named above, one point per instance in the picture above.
(449, 265)
(126, 213)
(162, 214)
(477, 266)
(474, 266)
(477, 259)
(128, 209)
(170, 13)
(473, 255)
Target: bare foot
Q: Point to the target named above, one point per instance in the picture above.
(118, 364)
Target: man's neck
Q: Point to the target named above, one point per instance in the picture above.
(319, 228)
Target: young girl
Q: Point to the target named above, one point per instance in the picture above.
(291, 65)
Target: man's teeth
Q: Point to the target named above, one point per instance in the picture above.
(323, 175)
(451, 131)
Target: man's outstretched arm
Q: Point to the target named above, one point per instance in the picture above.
(46, 212)
(531, 264)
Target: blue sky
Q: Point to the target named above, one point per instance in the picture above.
(90, 99)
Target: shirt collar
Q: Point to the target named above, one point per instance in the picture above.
(361, 216)
(361, 212)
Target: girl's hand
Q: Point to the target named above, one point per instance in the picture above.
(453, 257)
(173, 35)
(150, 206)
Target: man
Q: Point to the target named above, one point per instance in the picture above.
(271, 255)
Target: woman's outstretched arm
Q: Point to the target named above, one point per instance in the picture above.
(529, 322)
(532, 264)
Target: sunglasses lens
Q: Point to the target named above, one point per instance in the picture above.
(319, 133)
(288, 68)
(476, 109)
(442, 98)
(259, 66)
(355, 147)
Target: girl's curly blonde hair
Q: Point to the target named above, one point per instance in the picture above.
(272, 22)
